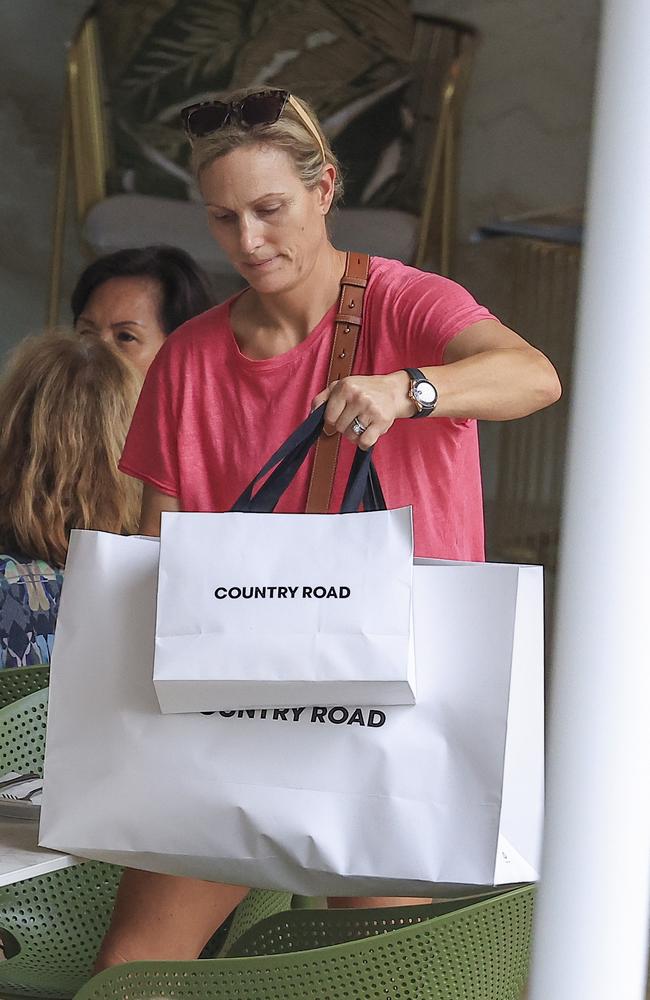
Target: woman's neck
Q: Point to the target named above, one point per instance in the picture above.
(268, 325)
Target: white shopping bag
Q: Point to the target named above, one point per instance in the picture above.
(315, 800)
(262, 610)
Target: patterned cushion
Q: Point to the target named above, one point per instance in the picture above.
(29, 603)
(349, 58)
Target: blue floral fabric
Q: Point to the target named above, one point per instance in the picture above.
(30, 591)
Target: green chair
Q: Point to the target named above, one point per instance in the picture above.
(22, 730)
(16, 682)
(442, 951)
(54, 923)
(57, 922)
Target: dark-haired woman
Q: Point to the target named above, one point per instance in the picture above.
(134, 298)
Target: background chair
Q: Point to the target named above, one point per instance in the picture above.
(446, 951)
(56, 922)
(388, 86)
(16, 682)
(542, 253)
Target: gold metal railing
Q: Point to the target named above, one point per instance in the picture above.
(456, 44)
(83, 144)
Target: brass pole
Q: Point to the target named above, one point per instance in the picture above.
(448, 196)
(58, 229)
(434, 177)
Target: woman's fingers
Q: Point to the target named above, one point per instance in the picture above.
(358, 398)
(323, 396)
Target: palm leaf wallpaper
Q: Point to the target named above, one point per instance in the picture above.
(350, 58)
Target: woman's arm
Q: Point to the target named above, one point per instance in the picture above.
(153, 504)
(489, 373)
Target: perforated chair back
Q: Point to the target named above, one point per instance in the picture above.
(16, 682)
(22, 733)
(258, 906)
(299, 931)
(58, 922)
(471, 952)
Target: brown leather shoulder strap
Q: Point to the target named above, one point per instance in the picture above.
(346, 334)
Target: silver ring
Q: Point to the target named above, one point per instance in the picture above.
(358, 427)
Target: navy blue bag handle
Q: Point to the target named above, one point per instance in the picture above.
(363, 483)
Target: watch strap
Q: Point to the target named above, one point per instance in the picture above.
(418, 376)
(347, 327)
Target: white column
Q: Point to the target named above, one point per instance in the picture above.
(591, 928)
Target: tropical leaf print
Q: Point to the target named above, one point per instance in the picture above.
(191, 49)
(349, 58)
(123, 24)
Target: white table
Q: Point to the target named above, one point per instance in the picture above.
(21, 857)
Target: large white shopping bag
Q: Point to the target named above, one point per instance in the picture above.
(316, 800)
(258, 609)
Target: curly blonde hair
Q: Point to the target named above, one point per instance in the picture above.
(289, 133)
(65, 408)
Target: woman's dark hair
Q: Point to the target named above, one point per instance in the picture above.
(185, 291)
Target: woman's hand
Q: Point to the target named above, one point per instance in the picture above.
(374, 401)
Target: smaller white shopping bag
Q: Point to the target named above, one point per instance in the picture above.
(262, 610)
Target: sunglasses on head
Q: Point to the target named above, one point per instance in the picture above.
(264, 107)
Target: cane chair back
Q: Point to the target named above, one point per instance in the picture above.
(528, 504)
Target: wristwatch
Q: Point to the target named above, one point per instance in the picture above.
(423, 393)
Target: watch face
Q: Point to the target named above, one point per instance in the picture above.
(425, 393)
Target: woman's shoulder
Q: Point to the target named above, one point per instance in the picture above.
(388, 274)
(409, 291)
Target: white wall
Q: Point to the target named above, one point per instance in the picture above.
(528, 111)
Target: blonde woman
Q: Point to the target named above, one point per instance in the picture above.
(65, 408)
(230, 385)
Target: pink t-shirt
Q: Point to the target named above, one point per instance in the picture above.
(208, 417)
